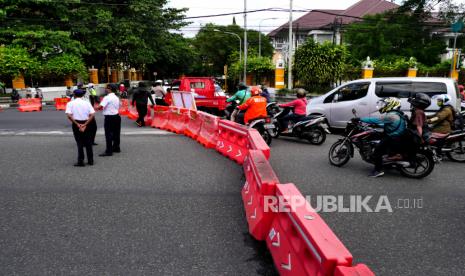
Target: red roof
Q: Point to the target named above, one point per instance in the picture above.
(319, 19)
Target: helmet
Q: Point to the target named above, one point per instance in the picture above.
(112, 87)
(420, 100)
(90, 85)
(255, 91)
(159, 81)
(80, 85)
(442, 99)
(461, 88)
(388, 104)
(241, 86)
(79, 92)
(301, 93)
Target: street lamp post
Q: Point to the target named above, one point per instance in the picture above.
(240, 45)
(260, 35)
(289, 63)
(245, 41)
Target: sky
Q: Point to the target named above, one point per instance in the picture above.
(254, 20)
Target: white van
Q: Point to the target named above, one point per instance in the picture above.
(362, 95)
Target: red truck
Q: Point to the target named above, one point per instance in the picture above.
(207, 98)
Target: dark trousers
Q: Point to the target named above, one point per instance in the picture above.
(93, 129)
(142, 110)
(112, 125)
(92, 100)
(83, 140)
(291, 117)
(385, 146)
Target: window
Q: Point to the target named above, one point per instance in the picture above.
(351, 92)
(407, 89)
(197, 84)
(398, 90)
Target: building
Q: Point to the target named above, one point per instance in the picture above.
(325, 25)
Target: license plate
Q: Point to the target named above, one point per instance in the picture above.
(269, 126)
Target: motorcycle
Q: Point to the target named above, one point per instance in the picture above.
(263, 125)
(366, 137)
(312, 128)
(451, 145)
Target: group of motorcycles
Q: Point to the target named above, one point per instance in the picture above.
(366, 137)
(312, 128)
(362, 136)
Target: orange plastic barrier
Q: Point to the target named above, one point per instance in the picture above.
(208, 134)
(177, 119)
(26, 105)
(160, 116)
(132, 112)
(60, 103)
(194, 123)
(232, 140)
(358, 270)
(300, 242)
(256, 142)
(148, 118)
(260, 181)
(124, 107)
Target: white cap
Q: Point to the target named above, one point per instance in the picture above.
(159, 81)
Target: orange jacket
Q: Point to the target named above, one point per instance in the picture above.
(256, 108)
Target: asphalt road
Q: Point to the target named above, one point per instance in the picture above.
(406, 241)
(166, 205)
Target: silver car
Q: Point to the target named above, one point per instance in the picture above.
(362, 95)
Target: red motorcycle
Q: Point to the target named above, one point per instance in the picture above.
(452, 145)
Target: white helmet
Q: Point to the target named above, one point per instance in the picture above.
(159, 81)
(442, 99)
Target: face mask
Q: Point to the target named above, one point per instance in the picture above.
(440, 103)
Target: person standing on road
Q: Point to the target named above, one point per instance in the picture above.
(69, 93)
(140, 99)
(39, 94)
(81, 113)
(112, 123)
(92, 94)
(159, 93)
(28, 92)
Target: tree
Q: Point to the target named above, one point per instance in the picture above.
(15, 61)
(65, 65)
(319, 64)
(215, 48)
(395, 34)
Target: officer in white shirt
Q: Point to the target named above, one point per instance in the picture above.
(81, 114)
(112, 123)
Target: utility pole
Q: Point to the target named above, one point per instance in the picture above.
(290, 53)
(245, 41)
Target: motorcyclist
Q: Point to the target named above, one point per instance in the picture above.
(394, 123)
(255, 106)
(418, 103)
(443, 120)
(265, 93)
(15, 95)
(242, 95)
(299, 112)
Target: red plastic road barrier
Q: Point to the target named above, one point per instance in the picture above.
(60, 103)
(124, 107)
(300, 242)
(26, 105)
(177, 119)
(148, 118)
(260, 181)
(256, 142)
(208, 134)
(194, 123)
(232, 140)
(160, 116)
(132, 112)
(358, 270)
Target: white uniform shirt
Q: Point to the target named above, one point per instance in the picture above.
(79, 109)
(110, 104)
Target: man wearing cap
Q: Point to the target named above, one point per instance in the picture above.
(93, 123)
(112, 123)
(81, 114)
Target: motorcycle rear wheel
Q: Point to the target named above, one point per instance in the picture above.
(265, 135)
(424, 165)
(316, 136)
(458, 151)
(339, 153)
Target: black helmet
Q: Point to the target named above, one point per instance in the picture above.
(241, 86)
(301, 93)
(420, 100)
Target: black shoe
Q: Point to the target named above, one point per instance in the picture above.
(105, 154)
(79, 164)
(94, 144)
(117, 150)
(90, 163)
(376, 173)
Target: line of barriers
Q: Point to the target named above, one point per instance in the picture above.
(28, 104)
(299, 240)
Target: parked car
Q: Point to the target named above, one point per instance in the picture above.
(363, 95)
